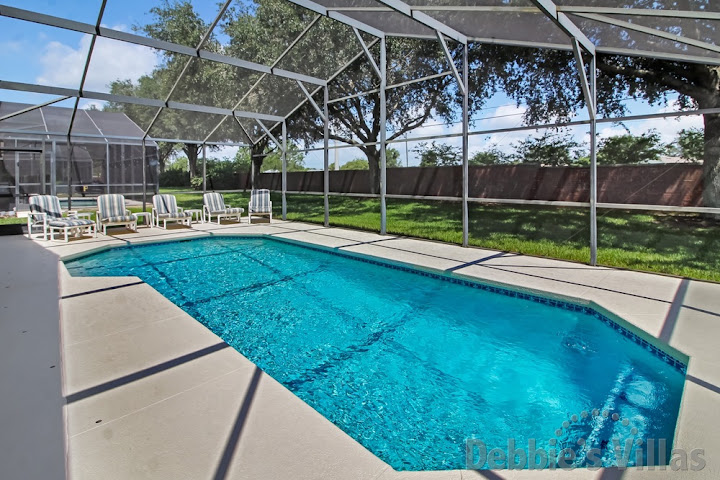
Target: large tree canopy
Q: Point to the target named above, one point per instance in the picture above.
(545, 81)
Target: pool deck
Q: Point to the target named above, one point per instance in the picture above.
(128, 386)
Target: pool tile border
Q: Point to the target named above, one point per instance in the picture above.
(416, 270)
(565, 305)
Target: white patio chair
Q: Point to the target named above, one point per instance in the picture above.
(214, 205)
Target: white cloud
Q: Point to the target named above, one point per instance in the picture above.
(62, 65)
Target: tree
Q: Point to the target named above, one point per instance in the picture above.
(204, 82)
(438, 155)
(392, 158)
(493, 156)
(356, 164)
(628, 148)
(295, 160)
(554, 149)
(546, 81)
(691, 144)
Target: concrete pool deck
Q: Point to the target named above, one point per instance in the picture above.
(148, 392)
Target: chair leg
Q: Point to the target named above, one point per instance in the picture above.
(67, 239)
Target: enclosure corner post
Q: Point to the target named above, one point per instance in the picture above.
(144, 177)
(204, 170)
(383, 136)
(326, 156)
(284, 170)
(465, 146)
(53, 166)
(69, 171)
(593, 165)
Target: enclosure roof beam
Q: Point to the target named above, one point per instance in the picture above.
(317, 8)
(34, 107)
(451, 61)
(369, 56)
(148, 102)
(549, 8)
(88, 58)
(40, 18)
(262, 77)
(312, 102)
(650, 12)
(650, 31)
(333, 77)
(584, 83)
(269, 134)
(201, 43)
(425, 19)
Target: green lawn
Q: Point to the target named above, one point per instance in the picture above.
(684, 245)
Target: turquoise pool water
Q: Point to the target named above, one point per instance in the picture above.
(412, 366)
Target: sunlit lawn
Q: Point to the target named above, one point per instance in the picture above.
(684, 245)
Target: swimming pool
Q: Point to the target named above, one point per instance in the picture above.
(410, 363)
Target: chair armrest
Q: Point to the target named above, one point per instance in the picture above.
(37, 214)
(180, 209)
(71, 213)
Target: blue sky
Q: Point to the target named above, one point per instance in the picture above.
(34, 53)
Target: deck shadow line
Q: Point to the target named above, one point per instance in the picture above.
(144, 373)
(232, 441)
(480, 260)
(595, 287)
(702, 383)
(99, 290)
(674, 312)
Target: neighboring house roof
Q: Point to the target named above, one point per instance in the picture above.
(53, 122)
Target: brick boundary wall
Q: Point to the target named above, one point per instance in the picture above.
(662, 184)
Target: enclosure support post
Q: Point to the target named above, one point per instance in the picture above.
(204, 150)
(593, 165)
(69, 172)
(589, 89)
(107, 166)
(252, 169)
(144, 177)
(17, 176)
(326, 155)
(383, 135)
(465, 145)
(53, 172)
(43, 175)
(284, 170)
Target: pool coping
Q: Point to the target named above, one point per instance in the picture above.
(699, 364)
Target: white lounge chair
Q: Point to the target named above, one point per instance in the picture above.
(45, 211)
(260, 204)
(165, 208)
(214, 205)
(112, 212)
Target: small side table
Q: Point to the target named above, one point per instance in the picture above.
(147, 218)
(196, 214)
(77, 232)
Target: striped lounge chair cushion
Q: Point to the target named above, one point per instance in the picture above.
(47, 204)
(175, 215)
(166, 205)
(214, 202)
(120, 218)
(232, 210)
(111, 206)
(71, 222)
(260, 201)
